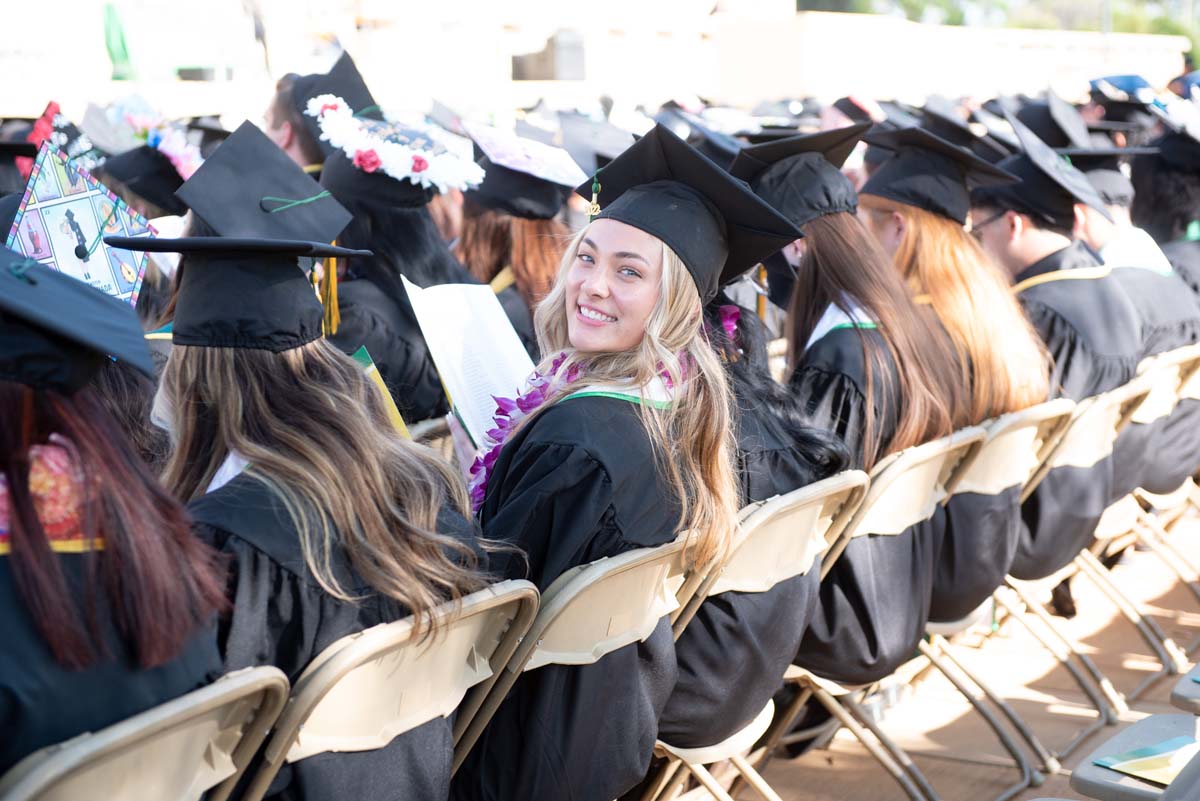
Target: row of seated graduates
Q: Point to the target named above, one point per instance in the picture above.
(843, 636)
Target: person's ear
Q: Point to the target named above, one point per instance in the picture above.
(287, 135)
(899, 226)
(1016, 225)
(1080, 229)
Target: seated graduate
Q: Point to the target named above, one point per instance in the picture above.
(385, 175)
(1090, 326)
(872, 366)
(733, 654)
(296, 133)
(1170, 313)
(332, 522)
(511, 237)
(623, 441)
(1166, 201)
(916, 205)
(109, 599)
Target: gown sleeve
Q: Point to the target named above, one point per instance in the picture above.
(554, 504)
(402, 358)
(835, 403)
(1074, 372)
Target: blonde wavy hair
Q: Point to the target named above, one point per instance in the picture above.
(314, 430)
(1000, 356)
(692, 437)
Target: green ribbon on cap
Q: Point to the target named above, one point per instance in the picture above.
(99, 235)
(366, 110)
(290, 203)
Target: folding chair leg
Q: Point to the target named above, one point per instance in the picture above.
(665, 780)
(709, 783)
(881, 756)
(1172, 658)
(1152, 534)
(1049, 763)
(1065, 649)
(756, 782)
(897, 753)
(1029, 777)
(760, 756)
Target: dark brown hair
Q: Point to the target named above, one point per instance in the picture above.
(492, 240)
(843, 263)
(158, 582)
(283, 109)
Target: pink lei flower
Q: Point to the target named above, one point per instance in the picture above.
(367, 160)
(510, 412)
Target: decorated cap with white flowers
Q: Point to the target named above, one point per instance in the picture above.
(401, 152)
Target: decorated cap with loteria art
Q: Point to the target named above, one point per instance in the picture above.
(385, 162)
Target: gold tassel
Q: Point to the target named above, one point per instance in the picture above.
(593, 209)
(329, 298)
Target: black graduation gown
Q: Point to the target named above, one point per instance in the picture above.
(391, 335)
(733, 654)
(43, 703)
(1094, 335)
(874, 603)
(1184, 256)
(576, 484)
(281, 616)
(1159, 456)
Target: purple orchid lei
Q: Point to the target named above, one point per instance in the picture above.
(509, 413)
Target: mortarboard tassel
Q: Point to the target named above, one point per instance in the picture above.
(329, 299)
(593, 209)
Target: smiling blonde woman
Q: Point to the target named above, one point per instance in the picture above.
(623, 441)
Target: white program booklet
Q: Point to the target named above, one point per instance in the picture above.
(474, 347)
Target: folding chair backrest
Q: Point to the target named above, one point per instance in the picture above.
(1096, 422)
(589, 611)
(1014, 447)
(1164, 374)
(777, 356)
(906, 487)
(1188, 361)
(1186, 785)
(782, 537)
(173, 752)
(366, 689)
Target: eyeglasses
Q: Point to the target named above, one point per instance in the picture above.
(976, 227)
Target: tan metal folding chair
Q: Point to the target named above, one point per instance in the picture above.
(366, 689)
(1087, 440)
(589, 611)
(780, 538)
(777, 354)
(905, 490)
(173, 752)
(1015, 446)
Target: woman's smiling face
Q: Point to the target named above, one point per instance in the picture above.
(612, 286)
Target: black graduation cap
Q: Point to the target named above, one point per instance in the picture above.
(930, 173)
(1049, 186)
(1179, 149)
(941, 118)
(720, 148)
(591, 143)
(343, 80)
(716, 225)
(522, 177)
(8, 211)
(1055, 121)
(244, 287)
(856, 110)
(56, 331)
(212, 133)
(801, 176)
(997, 128)
(13, 149)
(150, 174)
(1102, 167)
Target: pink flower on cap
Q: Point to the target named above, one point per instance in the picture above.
(367, 160)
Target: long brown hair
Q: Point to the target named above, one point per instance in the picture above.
(492, 240)
(313, 428)
(693, 436)
(159, 582)
(843, 264)
(1000, 357)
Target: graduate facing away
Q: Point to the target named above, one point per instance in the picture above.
(628, 442)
